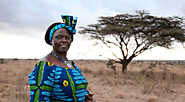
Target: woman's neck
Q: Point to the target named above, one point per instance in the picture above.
(61, 55)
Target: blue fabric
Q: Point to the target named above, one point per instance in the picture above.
(69, 24)
(51, 83)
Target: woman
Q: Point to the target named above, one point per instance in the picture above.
(55, 78)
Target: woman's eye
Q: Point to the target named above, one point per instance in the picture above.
(68, 38)
(59, 37)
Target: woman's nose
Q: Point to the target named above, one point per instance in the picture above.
(64, 39)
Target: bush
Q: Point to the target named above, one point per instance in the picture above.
(2, 61)
(170, 63)
(152, 64)
(15, 59)
(110, 64)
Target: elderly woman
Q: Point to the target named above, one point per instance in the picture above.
(55, 78)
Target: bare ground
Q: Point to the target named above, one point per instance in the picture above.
(143, 82)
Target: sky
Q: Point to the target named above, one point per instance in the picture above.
(23, 24)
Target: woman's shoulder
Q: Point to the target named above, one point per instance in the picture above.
(45, 58)
(45, 62)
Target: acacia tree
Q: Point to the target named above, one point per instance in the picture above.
(142, 29)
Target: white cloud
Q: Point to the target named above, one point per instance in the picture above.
(23, 24)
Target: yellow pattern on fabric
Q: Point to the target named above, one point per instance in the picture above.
(65, 83)
(64, 20)
(37, 63)
(49, 64)
(72, 85)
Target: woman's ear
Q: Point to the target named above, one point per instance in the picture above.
(52, 41)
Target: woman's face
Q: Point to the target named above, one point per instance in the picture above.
(61, 40)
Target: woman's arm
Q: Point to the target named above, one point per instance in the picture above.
(89, 98)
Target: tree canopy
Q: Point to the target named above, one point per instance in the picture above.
(142, 29)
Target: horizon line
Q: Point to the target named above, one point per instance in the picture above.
(97, 59)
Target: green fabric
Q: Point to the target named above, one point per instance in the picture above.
(72, 85)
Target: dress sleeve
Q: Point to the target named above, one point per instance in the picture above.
(41, 81)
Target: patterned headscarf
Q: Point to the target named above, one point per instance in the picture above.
(68, 22)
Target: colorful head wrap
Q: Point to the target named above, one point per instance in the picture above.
(68, 22)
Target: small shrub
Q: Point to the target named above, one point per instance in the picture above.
(152, 64)
(142, 72)
(86, 70)
(160, 63)
(133, 62)
(150, 75)
(120, 95)
(110, 64)
(15, 59)
(152, 99)
(2, 61)
(169, 63)
(179, 62)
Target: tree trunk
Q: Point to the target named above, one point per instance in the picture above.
(125, 63)
(124, 68)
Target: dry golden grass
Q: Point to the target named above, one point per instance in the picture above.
(143, 82)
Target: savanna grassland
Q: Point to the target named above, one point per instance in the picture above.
(143, 82)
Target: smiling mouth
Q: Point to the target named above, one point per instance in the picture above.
(63, 46)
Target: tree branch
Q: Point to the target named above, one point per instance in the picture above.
(121, 46)
(109, 48)
(126, 45)
(111, 43)
(143, 49)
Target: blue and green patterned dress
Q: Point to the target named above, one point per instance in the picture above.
(52, 83)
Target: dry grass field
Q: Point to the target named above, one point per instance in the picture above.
(143, 82)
